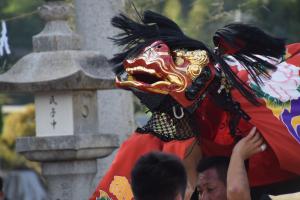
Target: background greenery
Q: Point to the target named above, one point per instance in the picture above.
(198, 18)
(201, 18)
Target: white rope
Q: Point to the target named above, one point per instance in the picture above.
(4, 46)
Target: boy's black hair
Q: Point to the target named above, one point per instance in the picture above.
(220, 163)
(158, 175)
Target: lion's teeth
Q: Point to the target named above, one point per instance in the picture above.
(140, 69)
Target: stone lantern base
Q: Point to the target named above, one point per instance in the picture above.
(69, 163)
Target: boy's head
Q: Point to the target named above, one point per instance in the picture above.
(158, 176)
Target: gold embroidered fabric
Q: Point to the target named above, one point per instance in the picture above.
(120, 187)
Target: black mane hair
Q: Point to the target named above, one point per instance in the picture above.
(136, 36)
(247, 42)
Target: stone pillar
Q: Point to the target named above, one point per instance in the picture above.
(93, 24)
(115, 106)
(64, 81)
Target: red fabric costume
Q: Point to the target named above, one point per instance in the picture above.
(281, 161)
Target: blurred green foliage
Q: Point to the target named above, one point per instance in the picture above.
(16, 124)
(201, 18)
(21, 30)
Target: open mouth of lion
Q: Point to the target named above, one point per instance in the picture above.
(136, 76)
(146, 79)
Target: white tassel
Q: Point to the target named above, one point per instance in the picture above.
(4, 46)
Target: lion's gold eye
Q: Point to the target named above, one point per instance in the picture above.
(194, 70)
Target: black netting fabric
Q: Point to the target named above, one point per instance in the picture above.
(167, 127)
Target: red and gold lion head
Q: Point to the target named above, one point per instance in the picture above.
(182, 74)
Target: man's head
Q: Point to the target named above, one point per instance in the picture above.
(212, 178)
(158, 176)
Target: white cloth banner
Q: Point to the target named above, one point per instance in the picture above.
(4, 46)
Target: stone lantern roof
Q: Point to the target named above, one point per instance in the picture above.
(57, 63)
(58, 70)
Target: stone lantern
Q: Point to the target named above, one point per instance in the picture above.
(64, 81)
